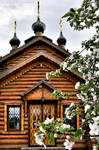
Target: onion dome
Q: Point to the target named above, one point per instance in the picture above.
(38, 27)
(61, 40)
(14, 42)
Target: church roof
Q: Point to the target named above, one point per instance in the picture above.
(32, 41)
(26, 61)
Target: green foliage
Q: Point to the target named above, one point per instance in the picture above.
(51, 138)
(83, 17)
(78, 134)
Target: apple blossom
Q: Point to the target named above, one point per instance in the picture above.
(65, 126)
(68, 145)
(55, 135)
(77, 85)
(86, 108)
(48, 121)
(41, 129)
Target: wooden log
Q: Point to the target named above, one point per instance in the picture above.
(14, 90)
(13, 137)
(1, 114)
(13, 145)
(11, 94)
(10, 97)
(1, 110)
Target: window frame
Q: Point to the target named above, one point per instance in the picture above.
(72, 118)
(8, 128)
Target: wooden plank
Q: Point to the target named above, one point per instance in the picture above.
(1, 110)
(67, 83)
(26, 106)
(1, 106)
(11, 93)
(13, 133)
(10, 97)
(22, 118)
(77, 121)
(1, 114)
(5, 117)
(13, 141)
(13, 145)
(13, 136)
(14, 90)
(1, 122)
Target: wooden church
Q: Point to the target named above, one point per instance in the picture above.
(25, 93)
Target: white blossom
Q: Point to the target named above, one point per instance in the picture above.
(68, 145)
(39, 139)
(94, 128)
(80, 96)
(68, 115)
(47, 75)
(64, 65)
(72, 104)
(57, 128)
(86, 108)
(41, 129)
(68, 137)
(65, 126)
(55, 135)
(48, 121)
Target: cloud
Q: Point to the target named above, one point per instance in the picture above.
(25, 13)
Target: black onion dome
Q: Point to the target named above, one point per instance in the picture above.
(38, 26)
(61, 40)
(15, 41)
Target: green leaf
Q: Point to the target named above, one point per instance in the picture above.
(71, 24)
(66, 15)
(72, 10)
(51, 138)
(78, 133)
(79, 10)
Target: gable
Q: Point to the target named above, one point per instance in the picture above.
(25, 62)
(35, 92)
(28, 60)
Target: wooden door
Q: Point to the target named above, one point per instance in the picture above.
(39, 113)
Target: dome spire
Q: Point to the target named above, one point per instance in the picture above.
(61, 40)
(14, 42)
(38, 27)
(60, 24)
(15, 27)
(38, 10)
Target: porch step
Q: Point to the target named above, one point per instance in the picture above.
(42, 148)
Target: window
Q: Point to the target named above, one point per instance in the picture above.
(14, 118)
(73, 121)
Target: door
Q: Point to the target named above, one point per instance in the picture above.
(39, 113)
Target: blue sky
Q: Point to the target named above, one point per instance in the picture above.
(25, 14)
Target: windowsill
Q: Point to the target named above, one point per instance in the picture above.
(12, 132)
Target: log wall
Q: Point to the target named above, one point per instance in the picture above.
(10, 93)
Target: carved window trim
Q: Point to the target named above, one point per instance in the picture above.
(8, 128)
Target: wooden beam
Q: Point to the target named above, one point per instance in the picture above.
(77, 121)
(5, 117)
(22, 118)
(25, 106)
